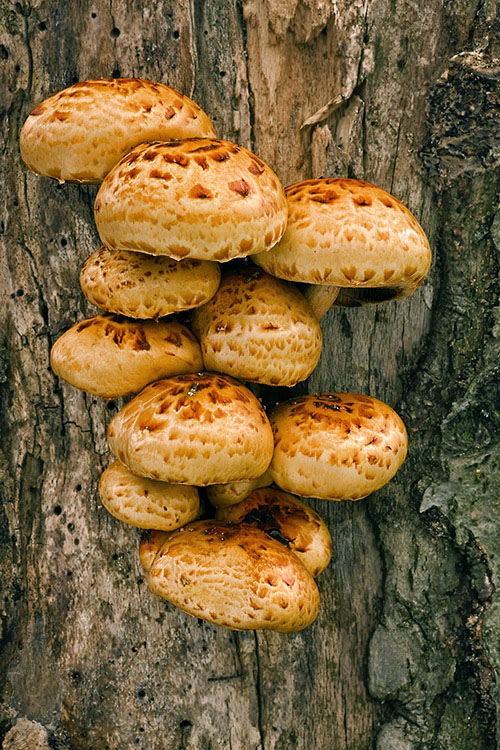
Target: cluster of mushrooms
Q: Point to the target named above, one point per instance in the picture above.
(174, 203)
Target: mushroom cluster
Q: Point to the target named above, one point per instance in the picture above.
(174, 202)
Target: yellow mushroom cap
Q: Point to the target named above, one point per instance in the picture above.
(79, 134)
(350, 234)
(146, 503)
(143, 286)
(258, 328)
(287, 519)
(235, 576)
(112, 357)
(199, 198)
(193, 429)
(336, 446)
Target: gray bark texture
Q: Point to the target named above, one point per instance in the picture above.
(403, 656)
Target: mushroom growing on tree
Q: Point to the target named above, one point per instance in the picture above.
(80, 133)
(336, 446)
(354, 242)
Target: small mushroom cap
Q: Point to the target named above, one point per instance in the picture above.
(286, 519)
(143, 286)
(348, 233)
(146, 503)
(79, 134)
(222, 495)
(336, 446)
(234, 576)
(149, 546)
(193, 429)
(198, 198)
(112, 357)
(260, 329)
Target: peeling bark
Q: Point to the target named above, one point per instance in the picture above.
(405, 651)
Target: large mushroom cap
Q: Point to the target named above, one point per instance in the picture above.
(222, 495)
(112, 357)
(260, 329)
(336, 446)
(193, 429)
(350, 234)
(79, 134)
(234, 576)
(143, 286)
(200, 198)
(146, 503)
(288, 520)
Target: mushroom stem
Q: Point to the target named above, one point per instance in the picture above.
(320, 298)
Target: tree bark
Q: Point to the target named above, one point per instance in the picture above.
(404, 653)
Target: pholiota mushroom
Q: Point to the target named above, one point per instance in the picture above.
(149, 546)
(111, 356)
(146, 503)
(336, 446)
(235, 576)
(143, 286)
(193, 429)
(222, 495)
(288, 520)
(79, 134)
(357, 241)
(258, 328)
(200, 198)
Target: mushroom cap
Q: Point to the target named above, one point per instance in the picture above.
(285, 518)
(336, 446)
(111, 356)
(149, 546)
(258, 328)
(348, 233)
(234, 576)
(146, 503)
(143, 286)
(198, 198)
(222, 495)
(79, 134)
(193, 429)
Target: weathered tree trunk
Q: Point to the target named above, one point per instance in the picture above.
(403, 655)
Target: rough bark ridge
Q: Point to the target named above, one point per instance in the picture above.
(404, 653)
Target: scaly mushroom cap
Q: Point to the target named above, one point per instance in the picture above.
(112, 357)
(198, 198)
(79, 134)
(142, 286)
(193, 429)
(149, 546)
(336, 446)
(145, 503)
(258, 328)
(234, 576)
(348, 233)
(222, 495)
(288, 520)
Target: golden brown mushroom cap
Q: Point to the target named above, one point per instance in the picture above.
(286, 519)
(80, 133)
(336, 446)
(143, 286)
(149, 546)
(193, 429)
(350, 234)
(112, 357)
(234, 576)
(258, 328)
(199, 198)
(146, 503)
(222, 495)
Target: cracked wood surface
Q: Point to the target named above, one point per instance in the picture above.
(404, 651)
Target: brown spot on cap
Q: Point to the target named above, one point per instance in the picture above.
(241, 187)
